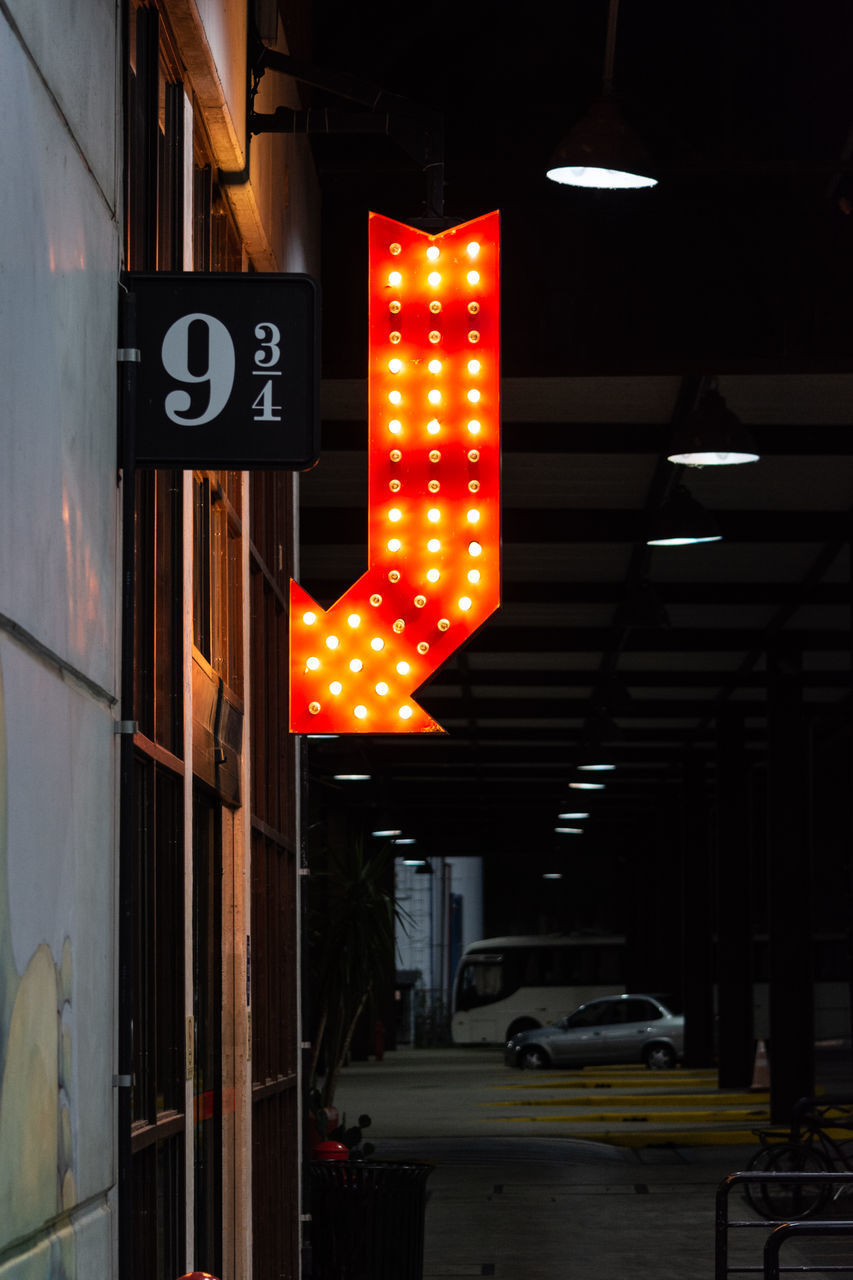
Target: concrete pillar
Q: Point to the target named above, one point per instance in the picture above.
(791, 998)
(697, 924)
(736, 1048)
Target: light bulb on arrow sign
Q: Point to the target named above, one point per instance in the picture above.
(433, 573)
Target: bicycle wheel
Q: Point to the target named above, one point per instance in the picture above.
(791, 1199)
(753, 1192)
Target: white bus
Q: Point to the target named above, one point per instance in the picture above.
(506, 985)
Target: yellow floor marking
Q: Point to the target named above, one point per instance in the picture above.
(652, 1118)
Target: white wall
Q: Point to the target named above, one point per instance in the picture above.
(59, 260)
(423, 944)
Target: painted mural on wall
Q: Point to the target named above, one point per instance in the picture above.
(37, 1184)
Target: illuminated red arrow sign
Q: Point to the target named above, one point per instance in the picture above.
(434, 495)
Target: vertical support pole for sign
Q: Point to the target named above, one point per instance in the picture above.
(127, 411)
(791, 1048)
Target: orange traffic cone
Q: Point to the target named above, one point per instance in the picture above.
(761, 1069)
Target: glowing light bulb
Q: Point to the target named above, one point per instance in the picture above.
(434, 396)
(405, 713)
(394, 544)
(395, 279)
(395, 397)
(474, 549)
(474, 366)
(403, 668)
(432, 252)
(433, 545)
(336, 687)
(360, 712)
(332, 642)
(473, 515)
(472, 249)
(474, 427)
(433, 426)
(377, 643)
(395, 365)
(309, 619)
(356, 664)
(395, 426)
(434, 515)
(473, 277)
(473, 395)
(312, 663)
(395, 514)
(464, 602)
(354, 620)
(473, 576)
(433, 575)
(382, 688)
(434, 278)
(434, 366)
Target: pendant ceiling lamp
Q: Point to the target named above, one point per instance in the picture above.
(712, 436)
(682, 521)
(602, 150)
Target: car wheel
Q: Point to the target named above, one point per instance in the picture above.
(521, 1024)
(533, 1058)
(659, 1057)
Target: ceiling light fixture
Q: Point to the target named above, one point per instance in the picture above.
(552, 875)
(602, 150)
(351, 777)
(569, 817)
(712, 436)
(682, 521)
(386, 835)
(569, 831)
(596, 768)
(586, 786)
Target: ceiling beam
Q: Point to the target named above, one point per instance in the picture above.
(329, 526)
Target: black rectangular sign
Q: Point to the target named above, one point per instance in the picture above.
(229, 370)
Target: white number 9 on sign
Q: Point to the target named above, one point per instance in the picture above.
(218, 372)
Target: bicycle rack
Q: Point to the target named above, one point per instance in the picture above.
(793, 1230)
(723, 1225)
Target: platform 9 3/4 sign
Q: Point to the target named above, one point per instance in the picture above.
(228, 370)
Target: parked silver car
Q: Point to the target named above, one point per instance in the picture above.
(632, 1028)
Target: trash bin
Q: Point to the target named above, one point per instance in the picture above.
(367, 1220)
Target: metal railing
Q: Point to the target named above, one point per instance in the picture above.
(724, 1224)
(799, 1230)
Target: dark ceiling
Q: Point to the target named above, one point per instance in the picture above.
(617, 310)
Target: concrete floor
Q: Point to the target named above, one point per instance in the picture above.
(524, 1205)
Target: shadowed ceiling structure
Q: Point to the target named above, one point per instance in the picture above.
(619, 309)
